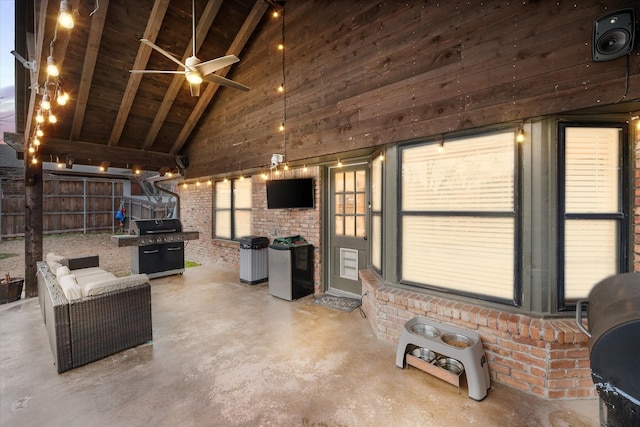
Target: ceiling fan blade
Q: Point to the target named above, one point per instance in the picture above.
(195, 89)
(214, 78)
(216, 64)
(156, 71)
(162, 51)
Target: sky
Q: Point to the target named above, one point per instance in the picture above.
(7, 74)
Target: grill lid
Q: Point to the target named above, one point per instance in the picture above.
(614, 345)
(155, 226)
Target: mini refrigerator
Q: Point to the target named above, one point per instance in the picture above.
(290, 270)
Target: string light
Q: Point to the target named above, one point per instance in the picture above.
(45, 104)
(34, 160)
(39, 117)
(39, 131)
(209, 182)
(63, 97)
(65, 18)
(52, 118)
(441, 147)
(304, 168)
(520, 134)
(184, 185)
(52, 67)
(339, 163)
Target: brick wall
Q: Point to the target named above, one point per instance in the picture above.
(197, 214)
(546, 357)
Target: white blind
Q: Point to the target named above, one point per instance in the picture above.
(376, 213)
(471, 174)
(223, 195)
(242, 194)
(242, 223)
(591, 170)
(590, 255)
(223, 224)
(462, 251)
(592, 186)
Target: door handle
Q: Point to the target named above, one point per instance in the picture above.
(151, 252)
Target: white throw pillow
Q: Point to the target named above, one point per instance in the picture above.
(70, 287)
(62, 271)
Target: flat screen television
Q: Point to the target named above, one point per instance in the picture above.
(290, 193)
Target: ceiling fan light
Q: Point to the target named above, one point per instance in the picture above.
(52, 67)
(193, 77)
(66, 17)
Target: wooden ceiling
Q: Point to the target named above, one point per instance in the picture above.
(114, 117)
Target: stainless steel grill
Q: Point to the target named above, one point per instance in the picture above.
(157, 246)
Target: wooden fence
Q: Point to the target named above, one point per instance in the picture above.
(72, 205)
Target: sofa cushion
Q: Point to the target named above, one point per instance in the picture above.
(97, 275)
(70, 287)
(51, 259)
(62, 271)
(104, 286)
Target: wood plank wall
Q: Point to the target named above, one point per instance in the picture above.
(364, 74)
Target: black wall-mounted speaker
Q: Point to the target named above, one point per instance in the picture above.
(614, 35)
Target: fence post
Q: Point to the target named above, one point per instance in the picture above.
(84, 205)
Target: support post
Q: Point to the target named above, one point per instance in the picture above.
(33, 186)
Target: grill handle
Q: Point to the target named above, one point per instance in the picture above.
(579, 305)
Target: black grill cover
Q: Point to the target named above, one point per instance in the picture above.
(614, 346)
(157, 226)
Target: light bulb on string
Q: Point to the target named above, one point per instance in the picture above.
(36, 141)
(280, 46)
(32, 149)
(34, 160)
(52, 118)
(52, 67)
(65, 18)
(281, 128)
(304, 168)
(39, 117)
(39, 131)
(45, 104)
(63, 97)
(281, 88)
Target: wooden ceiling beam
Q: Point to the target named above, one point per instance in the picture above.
(93, 45)
(35, 51)
(206, 20)
(154, 24)
(96, 153)
(248, 27)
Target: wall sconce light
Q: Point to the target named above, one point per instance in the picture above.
(65, 18)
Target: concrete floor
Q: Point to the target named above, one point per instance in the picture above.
(226, 353)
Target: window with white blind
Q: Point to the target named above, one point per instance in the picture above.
(376, 212)
(232, 209)
(591, 199)
(458, 215)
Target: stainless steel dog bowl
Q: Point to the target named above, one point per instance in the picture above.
(451, 365)
(424, 354)
(457, 340)
(425, 330)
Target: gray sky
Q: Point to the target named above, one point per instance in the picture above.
(7, 93)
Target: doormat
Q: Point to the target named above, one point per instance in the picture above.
(338, 303)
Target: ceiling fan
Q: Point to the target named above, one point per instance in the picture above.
(194, 69)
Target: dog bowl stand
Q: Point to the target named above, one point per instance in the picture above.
(472, 358)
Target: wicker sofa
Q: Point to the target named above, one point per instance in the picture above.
(104, 316)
